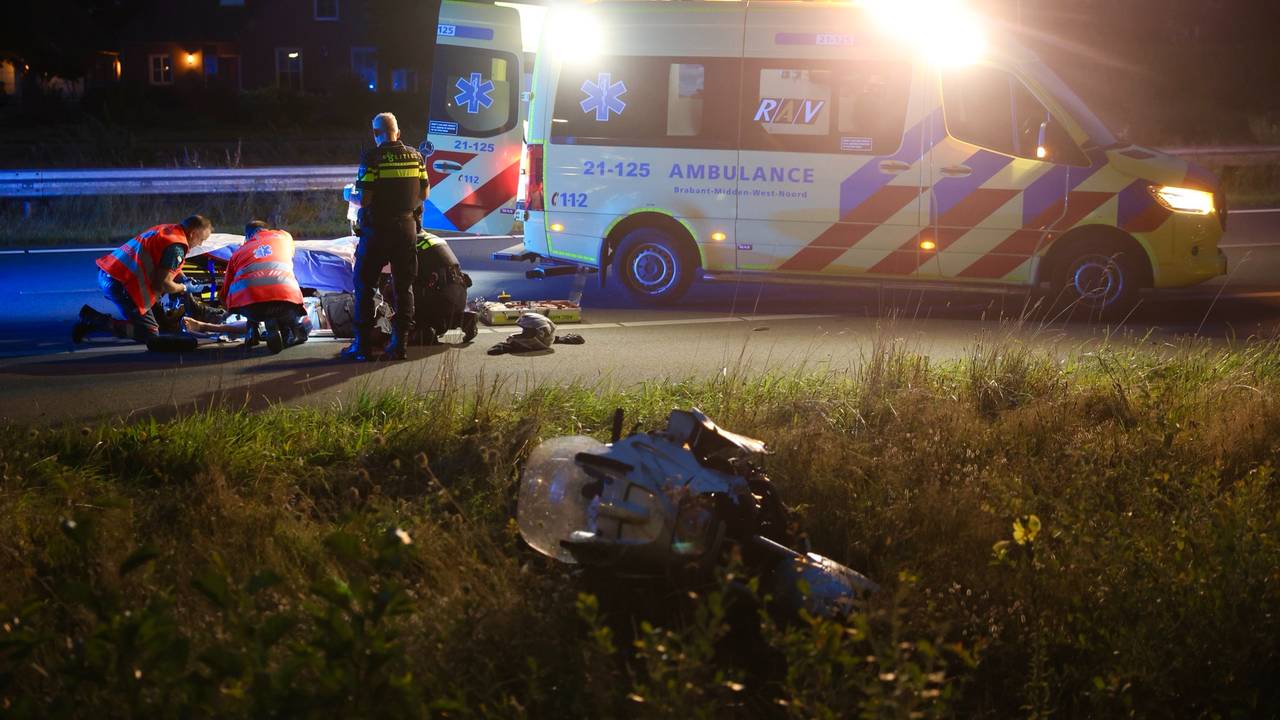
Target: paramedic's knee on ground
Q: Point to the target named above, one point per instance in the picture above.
(138, 274)
(261, 286)
(135, 325)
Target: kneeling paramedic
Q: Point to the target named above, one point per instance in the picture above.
(260, 285)
(440, 294)
(138, 274)
(392, 184)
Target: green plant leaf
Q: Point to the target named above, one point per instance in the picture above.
(138, 558)
(223, 661)
(275, 627)
(333, 590)
(261, 581)
(343, 545)
(213, 584)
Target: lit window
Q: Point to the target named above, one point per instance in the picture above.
(326, 9)
(161, 69)
(404, 80)
(289, 68)
(364, 64)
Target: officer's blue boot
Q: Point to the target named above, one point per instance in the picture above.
(359, 350)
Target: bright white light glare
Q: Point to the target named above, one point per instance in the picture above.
(293, 56)
(1184, 200)
(532, 18)
(946, 32)
(574, 34)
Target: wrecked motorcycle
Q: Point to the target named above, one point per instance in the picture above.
(674, 503)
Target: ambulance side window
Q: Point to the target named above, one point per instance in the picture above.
(474, 91)
(647, 102)
(992, 109)
(825, 106)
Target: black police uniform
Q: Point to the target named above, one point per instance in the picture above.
(441, 291)
(392, 177)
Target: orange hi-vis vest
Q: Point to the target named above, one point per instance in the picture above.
(135, 263)
(261, 270)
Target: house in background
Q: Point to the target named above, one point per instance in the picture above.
(10, 75)
(313, 46)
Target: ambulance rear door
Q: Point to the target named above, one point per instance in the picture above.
(474, 134)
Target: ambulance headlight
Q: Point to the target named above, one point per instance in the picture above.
(574, 34)
(1183, 200)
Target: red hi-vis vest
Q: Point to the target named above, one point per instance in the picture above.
(135, 263)
(261, 270)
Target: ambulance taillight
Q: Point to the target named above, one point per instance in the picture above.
(533, 161)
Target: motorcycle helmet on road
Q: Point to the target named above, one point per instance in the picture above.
(537, 332)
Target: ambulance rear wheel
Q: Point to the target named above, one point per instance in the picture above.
(1097, 280)
(653, 266)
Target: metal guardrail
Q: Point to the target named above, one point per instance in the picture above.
(172, 181)
(1230, 154)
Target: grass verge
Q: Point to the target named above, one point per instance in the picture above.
(1097, 537)
(108, 219)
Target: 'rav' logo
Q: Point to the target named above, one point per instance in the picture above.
(788, 110)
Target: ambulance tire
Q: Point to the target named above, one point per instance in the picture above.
(653, 266)
(1097, 280)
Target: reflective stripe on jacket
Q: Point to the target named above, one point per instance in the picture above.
(391, 180)
(261, 270)
(434, 253)
(136, 263)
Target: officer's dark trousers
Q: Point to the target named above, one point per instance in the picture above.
(392, 242)
(440, 308)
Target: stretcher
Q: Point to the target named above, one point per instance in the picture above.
(321, 265)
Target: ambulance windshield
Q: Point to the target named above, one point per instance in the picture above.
(1099, 135)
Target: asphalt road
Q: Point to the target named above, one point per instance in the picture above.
(719, 329)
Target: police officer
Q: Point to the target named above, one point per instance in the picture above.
(138, 274)
(261, 286)
(441, 292)
(392, 184)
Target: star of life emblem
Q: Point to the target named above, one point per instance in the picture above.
(604, 96)
(475, 93)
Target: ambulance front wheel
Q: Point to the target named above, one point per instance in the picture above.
(1097, 280)
(653, 266)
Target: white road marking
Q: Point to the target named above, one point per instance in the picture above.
(63, 291)
(52, 251)
(722, 319)
(1259, 294)
(313, 378)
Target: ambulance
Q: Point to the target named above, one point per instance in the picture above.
(474, 130)
(882, 142)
